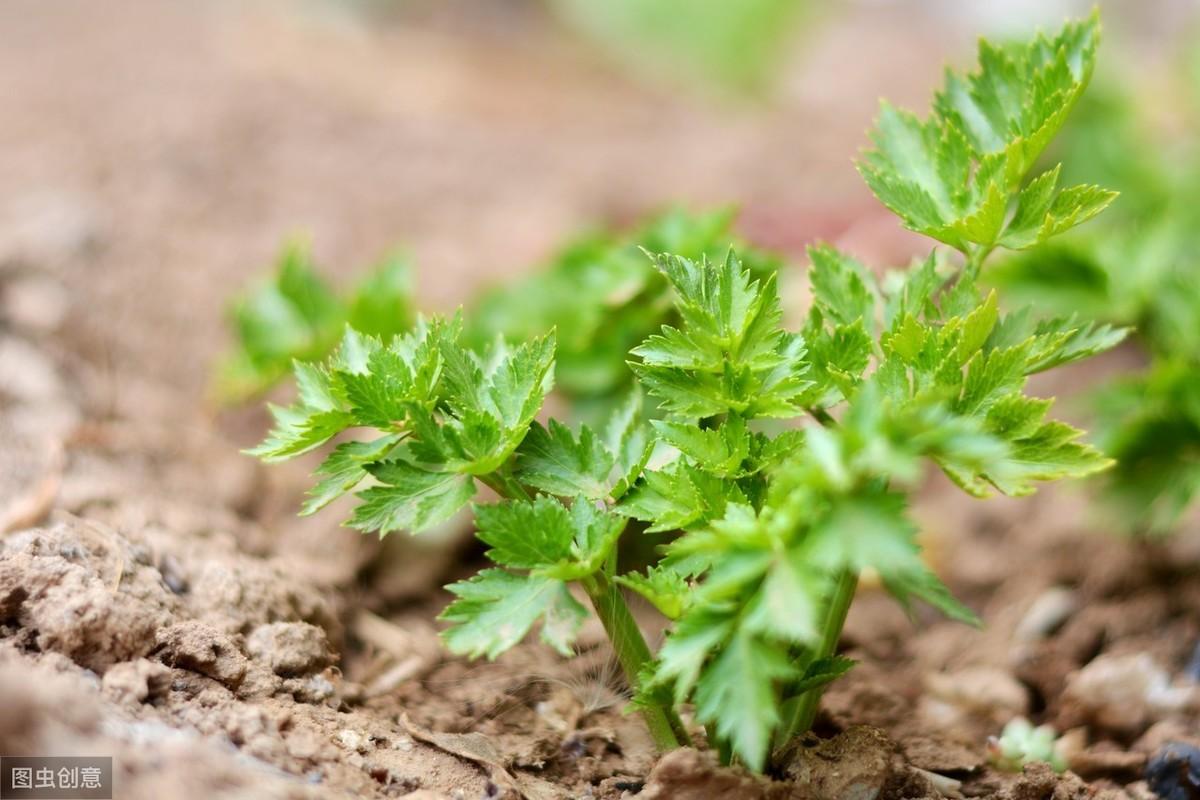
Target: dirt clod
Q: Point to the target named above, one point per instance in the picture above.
(986, 692)
(195, 646)
(139, 681)
(290, 648)
(690, 775)
(82, 592)
(1106, 760)
(859, 764)
(1123, 694)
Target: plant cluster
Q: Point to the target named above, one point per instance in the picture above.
(780, 461)
(598, 293)
(1140, 270)
(602, 297)
(295, 315)
(1020, 743)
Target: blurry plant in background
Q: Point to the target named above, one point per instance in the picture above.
(599, 293)
(1142, 269)
(295, 315)
(734, 44)
(602, 296)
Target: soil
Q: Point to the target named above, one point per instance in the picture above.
(159, 600)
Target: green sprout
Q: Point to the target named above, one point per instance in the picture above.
(1020, 743)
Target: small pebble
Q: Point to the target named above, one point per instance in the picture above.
(1047, 614)
(349, 739)
(1174, 772)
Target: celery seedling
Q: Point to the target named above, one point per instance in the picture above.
(295, 315)
(775, 519)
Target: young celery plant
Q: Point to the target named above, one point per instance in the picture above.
(774, 522)
(448, 418)
(923, 368)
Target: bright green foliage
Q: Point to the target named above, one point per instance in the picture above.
(495, 610)
(977, 364)
(1021, 743)
(769, 527)
(1151, 424)
(555, 460)
(1138, 269)
(665, 588)
(447, 415)
(957, 176)
(602, 297)
(730, 354)
(774, 517)
(599, 295)
(552, 544)
(296, 316)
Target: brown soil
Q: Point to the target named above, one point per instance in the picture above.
(159, 600)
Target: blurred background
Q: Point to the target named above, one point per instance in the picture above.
(178, 144)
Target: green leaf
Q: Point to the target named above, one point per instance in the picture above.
(976, 327)
(519, 382)
(921, 584)
(695, 637)
(1071, 340)
(731, 47)
(380, 396)
(663, 587)
(911, 293)
(818, 674)
(555, 461)
(730, 354)
(595, 531)
(823, 671)
(719, 451)
(344, 469)
(952, 176)
(410, 498)
(603, 296)
(1150, 425)
(626, 438)
(1050, 453)
(295, 315)
(842, 287)
(381, 304)
(667, 499)
(316, 417)
(490, 400)
(525, 534)
(839, 357)
(737, 693)
(867, 530)
(548, 538)
(1039, 218)
(496, 609)
(789, 603)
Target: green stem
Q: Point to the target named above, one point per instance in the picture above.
(633, 654)
(724, 750)
(822, 416)
(975, 259)
(666, 728)
(805, 711)
(504, 484)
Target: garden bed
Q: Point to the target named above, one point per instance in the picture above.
(160, 602)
